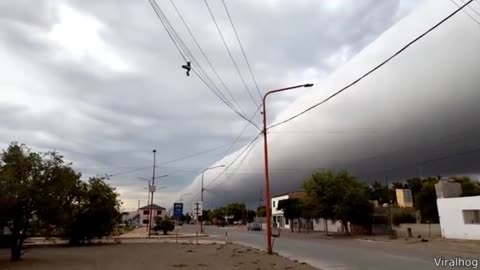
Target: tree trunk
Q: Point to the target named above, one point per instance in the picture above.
(299, 224)
(291, 224)
(326, 226)
(16, 246)
(345, 227)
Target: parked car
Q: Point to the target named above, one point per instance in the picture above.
(221, 223)
(254, 227)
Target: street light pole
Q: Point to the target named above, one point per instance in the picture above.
(150, 214)
(202, 189)
(265, 149)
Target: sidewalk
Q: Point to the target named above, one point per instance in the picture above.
(142, 233)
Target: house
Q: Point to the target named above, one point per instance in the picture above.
(157, 211)
(459, 216)
(279, 221)
(404, 197)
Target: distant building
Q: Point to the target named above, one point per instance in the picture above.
(279, 221)
(157, 211)
(404, 197)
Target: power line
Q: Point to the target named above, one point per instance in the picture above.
(468, 14)
(183, 50)
(205, 56)
(130, 171)
(375, 68)
(241, 47)
(192, 155)
(234, 160)
(229, 52)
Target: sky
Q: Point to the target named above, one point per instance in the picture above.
(102, 83)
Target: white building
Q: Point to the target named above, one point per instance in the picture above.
(460, 217)
(157, 211)
(279, 221)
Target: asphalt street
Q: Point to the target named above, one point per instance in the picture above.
(339, 254)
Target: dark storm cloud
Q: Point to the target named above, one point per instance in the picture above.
(121, 92)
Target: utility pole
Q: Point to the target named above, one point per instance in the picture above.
(200, 219)
(152, 187)
(265, 150)
(389, 221)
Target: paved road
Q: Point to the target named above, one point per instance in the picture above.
(340, 254)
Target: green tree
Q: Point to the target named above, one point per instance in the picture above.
(187, 218)
(292, 209)
(166, 225)
(96, 213)
(470, 187)
(378, 191)
(19, 173)
(339, 196)
(426, 200)
(251, 215)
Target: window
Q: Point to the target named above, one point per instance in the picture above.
(159, 212)
(408, 196)
(273, 204)
(145, 221)
(471, 216)
(145, 212)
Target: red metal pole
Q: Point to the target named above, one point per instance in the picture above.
(267, 179)
(267, 176)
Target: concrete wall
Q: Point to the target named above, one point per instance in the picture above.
(418, 229)
(452, 221)
(319, 225)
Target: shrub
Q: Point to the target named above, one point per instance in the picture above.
(165, 225)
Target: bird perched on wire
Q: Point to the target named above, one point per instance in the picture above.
(188, 67)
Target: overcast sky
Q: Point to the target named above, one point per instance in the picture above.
(101, 82)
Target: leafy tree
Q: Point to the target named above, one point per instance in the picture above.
(292, 209)
(426, 200)
(339, 197)
(19, 173)
(41, 194)
(415, 185)
(187, 218)
(165, 225)
(251, 215)
(96, 213)
(378, 191)
(470, 187)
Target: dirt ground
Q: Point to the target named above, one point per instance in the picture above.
(147, 256)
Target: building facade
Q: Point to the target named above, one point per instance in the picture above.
(157, 211)
(404, 197)
(460, 217)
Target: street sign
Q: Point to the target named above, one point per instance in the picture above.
(197, 208)
(152, 188)
(178, 210)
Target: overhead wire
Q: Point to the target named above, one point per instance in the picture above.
(184, 52)
(242, 49)
(468, 14)
(375, 68)
(234, 160)
(230, 53)
(205, 56)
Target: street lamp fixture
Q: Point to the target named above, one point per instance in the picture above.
(202, 189)
(265, 149)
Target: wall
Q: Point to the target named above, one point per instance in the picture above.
(418, 229)
(319, 225)
(155, 214)
(451, 217)
(279, 213)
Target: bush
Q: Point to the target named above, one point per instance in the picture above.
(165, 225)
